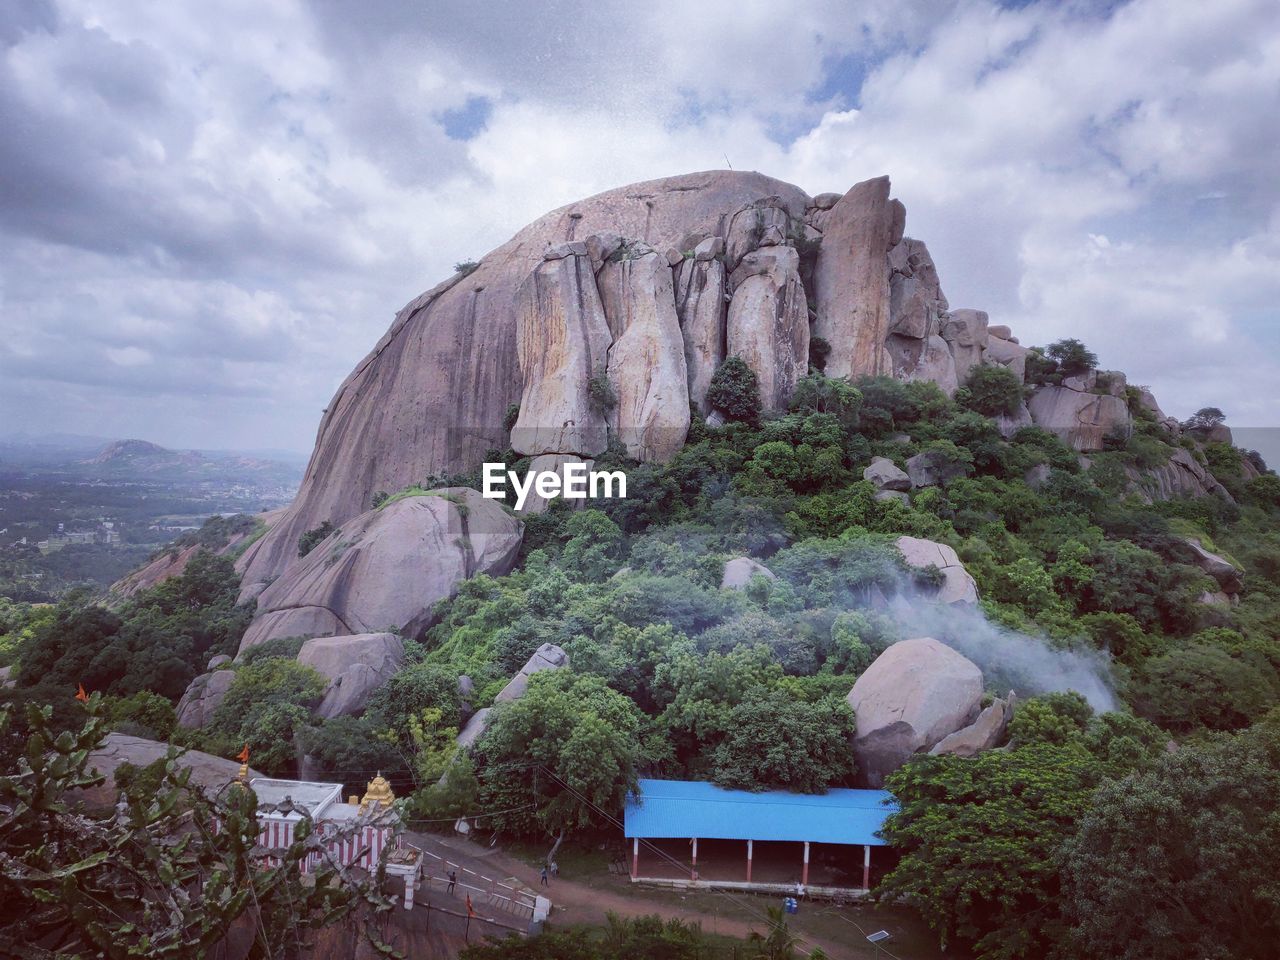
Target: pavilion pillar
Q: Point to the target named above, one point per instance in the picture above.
(693, 867)
(748, 861)
(866, 866)
(804, 874)
(635, 857)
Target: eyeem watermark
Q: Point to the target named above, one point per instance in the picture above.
(573, 482)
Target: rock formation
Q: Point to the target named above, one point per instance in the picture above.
(700, 303)
(983, 734)
(355, 667)
(1079, 417)
(768, 323)
(205, 693)
(207, 771)
(886, 475)
(915, 694)
(388, 567)
(739, 572)
(546, 657)
(957, 585)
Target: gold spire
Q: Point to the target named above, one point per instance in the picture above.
(377, 794)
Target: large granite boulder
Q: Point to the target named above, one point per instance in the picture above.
(929, 468)
(1228, 576)
(700, 305)
(1010, 423)
(851, 279)
(562, 342)
(886, 475)
(355, 667)
(929, 359)
(1181, 476)
(208, 772)
(1078, 417)
(768, 322)
(389, 567)
(957, 585)
(204, 694)
(1003, 352)
(430, 398)
(915, 694)
(646, 362)
(739, 572)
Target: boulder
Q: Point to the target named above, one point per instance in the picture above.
(1112, 382)
(965, 331)
(208, 772)
(1080, 419)
(915, 694)
(916, 301)
(355, 667)
(851, 280)
(929, 359)
(647, 360)
(546, 657)
(217, 661)
(886, 475)
(768, 323)
(203, 696)
(389, 567)
(933, 467)
(430, 397)
(957, 585)
(1228, 576)
(901, 496)
(825, 201)
(739, 572)
(700, 306)
(474, 728)
(983, 734)
(769, 218)
(1147, 400)
(562, 342)
(1010, 423)
(999, 330)
(1005, 353)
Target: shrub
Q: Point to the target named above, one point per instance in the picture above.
(466, 267)
(1073, 356)
(819, 350)
(735, 391)
(510, 417)
(307, 542)
(991, 391)
(600, 394)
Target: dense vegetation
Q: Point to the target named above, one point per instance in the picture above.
(1017, 853)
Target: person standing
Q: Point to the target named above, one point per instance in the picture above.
(544, 876)
(453, 881)
(555, 869)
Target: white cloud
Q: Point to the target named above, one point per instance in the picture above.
(246, 193)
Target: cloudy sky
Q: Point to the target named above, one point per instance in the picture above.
(210, 211)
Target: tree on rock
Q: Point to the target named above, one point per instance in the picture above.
(735, 391)
(1073, 356)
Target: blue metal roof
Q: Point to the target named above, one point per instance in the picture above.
(691, 808)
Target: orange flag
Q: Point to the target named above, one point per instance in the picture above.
(243, 755)
(81, 695)
(470, 912)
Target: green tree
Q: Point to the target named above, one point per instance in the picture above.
(311, 538)
(1073, 357)
(735, 391)
(1178, 861)
(990, 390)
(594, 546)
(775, 742)
(267, 707)
(167, 873)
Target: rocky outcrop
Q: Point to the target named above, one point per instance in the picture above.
(355, 667)
(957, 585)
(1181, 476)
(208, 772)
(739, 572)
(1004, 352)
(768, 322)
(387, 568)
(700, 305)
(1228, 576)
(647, 361)
(550, 463)
(1010, 423)
(430, 397)
(914, 695)
(929, 468)
(851, 279)
(546, 657)
(916, 300)
(886, 475)
(1079, 418)
(205, 693)
(983, 734)
(965, 332)
(562, 343)
(929, 359)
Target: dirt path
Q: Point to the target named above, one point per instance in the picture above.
(728, 914)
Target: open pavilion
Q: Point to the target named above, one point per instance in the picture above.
(687, 833)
